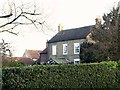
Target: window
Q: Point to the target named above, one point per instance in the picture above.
(54, 50)
(76, 61)
(65, 49)
(34, 59)
(76, 48)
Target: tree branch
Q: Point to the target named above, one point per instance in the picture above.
(31, 13)
(33, 21)
(10, 21)
(8, 30)
(6, 16)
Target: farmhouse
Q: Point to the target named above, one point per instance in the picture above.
(64, 47)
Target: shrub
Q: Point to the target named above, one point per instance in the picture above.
(61, 76)
(9, 62)
(16, 64)
(112, 64)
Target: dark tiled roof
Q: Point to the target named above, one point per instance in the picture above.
(44, 51)
(71, 34)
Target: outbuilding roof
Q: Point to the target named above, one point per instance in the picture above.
(34, 54)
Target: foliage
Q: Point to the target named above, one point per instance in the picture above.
(93, 53)
(5, 61)
(112, 64)
(61, 76)
(9, 62)
(106, 36)
(16, 64)
(87, 53)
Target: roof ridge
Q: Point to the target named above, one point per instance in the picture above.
(33, 50)
(77, 28)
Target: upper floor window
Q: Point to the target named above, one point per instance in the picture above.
(54, 49)
(76, 48)
(65, 49)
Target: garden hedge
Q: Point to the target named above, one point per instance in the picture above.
(94, 75)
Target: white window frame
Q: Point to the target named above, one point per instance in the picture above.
(76, 45)
(76, 61)
(54, 49)
(65, 49)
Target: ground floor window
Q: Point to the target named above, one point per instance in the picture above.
(76, 61)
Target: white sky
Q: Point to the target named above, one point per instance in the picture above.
(70, 13)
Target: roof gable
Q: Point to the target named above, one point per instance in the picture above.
(44, 51)
(34, 54)
(71, 34)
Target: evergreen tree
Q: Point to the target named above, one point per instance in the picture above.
(106, 36)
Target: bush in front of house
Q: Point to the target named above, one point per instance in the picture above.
(94, 75)
(9, 62)
(16, 64)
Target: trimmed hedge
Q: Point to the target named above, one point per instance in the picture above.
(96, 75)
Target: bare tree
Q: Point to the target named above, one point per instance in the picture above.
(15, 16)
(5, 48)
(20, 16)
(4, 52)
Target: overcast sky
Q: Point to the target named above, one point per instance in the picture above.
(69, 13)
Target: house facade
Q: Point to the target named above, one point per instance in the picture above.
(68, 51)
(64, 47)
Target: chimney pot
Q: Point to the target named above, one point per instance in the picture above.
(46, 43)
(60, 27)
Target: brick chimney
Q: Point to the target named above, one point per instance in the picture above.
(118, 7)
(60, 27)
(98, 20)
(46, 43)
